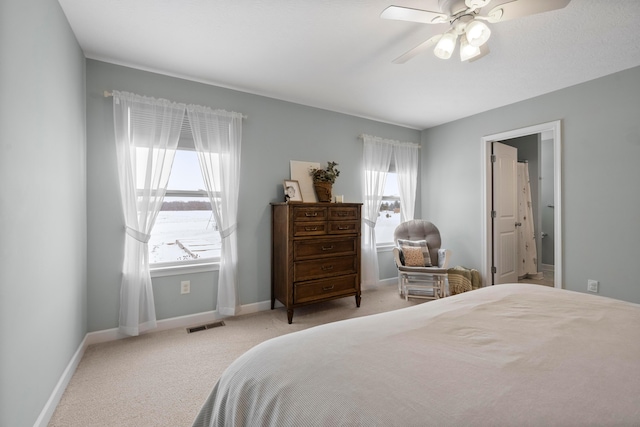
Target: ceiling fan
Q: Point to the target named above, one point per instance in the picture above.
(466, 20)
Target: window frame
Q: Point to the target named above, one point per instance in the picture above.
(179, 267)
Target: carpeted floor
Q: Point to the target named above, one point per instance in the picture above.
(547, 279)
(163, 378)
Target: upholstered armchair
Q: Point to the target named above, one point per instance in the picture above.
(421, 262)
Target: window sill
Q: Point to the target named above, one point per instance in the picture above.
(178, 270)
(385, 247)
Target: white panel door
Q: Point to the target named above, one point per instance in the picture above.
(505, 205)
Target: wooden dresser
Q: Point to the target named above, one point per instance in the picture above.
(315, 253)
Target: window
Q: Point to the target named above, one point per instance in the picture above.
(389, 214)
(185, 230)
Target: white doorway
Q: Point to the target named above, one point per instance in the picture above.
(554, 129)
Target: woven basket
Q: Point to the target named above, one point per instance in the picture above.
(323, 191)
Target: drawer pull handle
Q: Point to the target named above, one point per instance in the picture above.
(311, 214)
(343, 227)
(343, 213)
(327, 267)
(327, 248)
(327, 288)
(310, 228)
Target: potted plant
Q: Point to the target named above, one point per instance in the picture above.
(323, 180)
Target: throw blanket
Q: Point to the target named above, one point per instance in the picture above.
(462, 279)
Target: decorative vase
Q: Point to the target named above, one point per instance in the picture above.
(323, 191)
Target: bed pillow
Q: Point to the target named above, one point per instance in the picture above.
(419, 244)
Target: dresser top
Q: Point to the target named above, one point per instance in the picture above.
(319, 204)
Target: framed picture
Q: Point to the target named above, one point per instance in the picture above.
(300, 172)
(292, 191)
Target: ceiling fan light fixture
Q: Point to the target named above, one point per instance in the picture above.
(445, 46)
(468, 51)
(476, 4)
(477, 33)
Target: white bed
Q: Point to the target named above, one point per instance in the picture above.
(507, 355)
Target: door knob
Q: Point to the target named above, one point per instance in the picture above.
(518, 224)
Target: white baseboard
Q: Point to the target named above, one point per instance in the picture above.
(58, 391)
(114, 334)
(390, 281)
(176, 322)
(107, 335)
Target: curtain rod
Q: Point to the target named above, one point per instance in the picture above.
(107, 94)
(389, 141)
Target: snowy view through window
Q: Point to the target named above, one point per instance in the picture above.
(389, 215)
(185, 229)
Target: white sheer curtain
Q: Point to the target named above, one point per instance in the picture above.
(377, 156)
(217, 136)
(147, 131)
(406, 158)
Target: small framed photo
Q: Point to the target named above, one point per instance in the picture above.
(292, 191)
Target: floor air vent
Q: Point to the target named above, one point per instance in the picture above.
(203, 327)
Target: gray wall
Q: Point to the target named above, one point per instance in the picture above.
(600, 154)
(43, 314)
(274, 133)
(386, 263)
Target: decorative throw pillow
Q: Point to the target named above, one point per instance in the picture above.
(422, 244)
(413, 256)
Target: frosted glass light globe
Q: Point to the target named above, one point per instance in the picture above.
(477, 33)
(445, 46)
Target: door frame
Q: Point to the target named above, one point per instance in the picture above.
(487, 195)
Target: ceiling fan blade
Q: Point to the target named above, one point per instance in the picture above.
(476, 4)
(417, 50)
(413, 15)
(519, 8)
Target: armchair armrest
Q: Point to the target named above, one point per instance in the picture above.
(396, 257)
(444, 256)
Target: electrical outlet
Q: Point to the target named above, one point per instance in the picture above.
(185, 286)
(592, 286)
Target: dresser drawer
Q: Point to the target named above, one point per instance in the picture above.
(325, 288)
(323, 267)
(309, 213)
(340, 213)
(309, 228)
(344, 227)
(318, 248)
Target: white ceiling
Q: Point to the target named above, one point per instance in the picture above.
(336, 54)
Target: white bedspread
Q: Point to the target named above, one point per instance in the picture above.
(506, 355)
